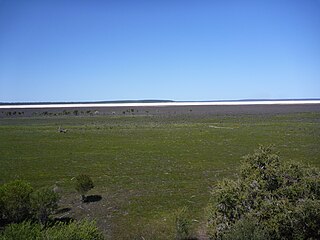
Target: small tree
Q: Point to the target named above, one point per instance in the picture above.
(83, 185)
(44, 202)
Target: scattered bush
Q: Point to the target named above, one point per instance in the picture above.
(44, 202)
(83, 185)
(15, 200)
(270, 198)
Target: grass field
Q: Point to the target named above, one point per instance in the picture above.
(145, 167)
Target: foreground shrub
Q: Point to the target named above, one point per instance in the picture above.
(281, 200)
(15, 200)
(83, 185)
(82, 230)
(21, 231)
(44, 202)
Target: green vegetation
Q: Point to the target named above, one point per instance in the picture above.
(15, 201)
(270, 200)
(145, 167)
(19, 202)
(44, 202)
(183, 224)
(83, 185)
(82, 230)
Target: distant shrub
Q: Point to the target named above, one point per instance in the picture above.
(44, 202)
(83, 185)
(15, 200)
(270, 199)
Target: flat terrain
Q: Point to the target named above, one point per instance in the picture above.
(160, 110)
(146, 167)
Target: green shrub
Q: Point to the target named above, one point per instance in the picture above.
(281, 198)
(44, 202)
(15, 200)
(22, 231)
(83, 185)
(82, 230)
(246, 229)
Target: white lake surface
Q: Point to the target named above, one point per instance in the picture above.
(162, 104)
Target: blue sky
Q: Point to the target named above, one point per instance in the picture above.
(181, 50)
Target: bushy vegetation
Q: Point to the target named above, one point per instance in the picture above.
(82, 230)
(270, 200)
(19, 202)
(15, 201)
(83, 184)
(26, 213)
(43, 203)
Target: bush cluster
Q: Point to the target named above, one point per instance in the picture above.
(270, 200)
(19, 202)
(26, 212)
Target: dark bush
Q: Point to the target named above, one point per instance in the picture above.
(15, 200)
(44, 202)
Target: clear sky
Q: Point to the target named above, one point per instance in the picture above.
(64, 50)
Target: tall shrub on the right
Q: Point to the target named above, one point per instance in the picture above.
(270, 200)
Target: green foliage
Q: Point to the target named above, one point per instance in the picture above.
(21, 231)
(82, 230)
(246, 229)
(15, 200)
(182, 223)
(282, 198)
(83, 185)
(44, 202)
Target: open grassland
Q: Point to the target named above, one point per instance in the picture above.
(145, 167)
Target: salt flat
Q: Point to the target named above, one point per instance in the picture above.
(161, 104)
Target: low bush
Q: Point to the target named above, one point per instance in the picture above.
(281, 200)
(15, 201)
(21, 231)
(82, 230)
(43, 203)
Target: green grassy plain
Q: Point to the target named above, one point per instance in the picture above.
(146, 167)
